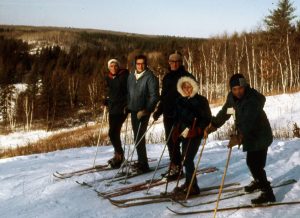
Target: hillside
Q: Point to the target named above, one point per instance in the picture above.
(28, 188)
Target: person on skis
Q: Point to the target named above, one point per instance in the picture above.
(143, 95)
(167, 107)
(116, 100)
(192, 116)
(253, 132)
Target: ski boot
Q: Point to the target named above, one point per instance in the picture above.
(116, 161)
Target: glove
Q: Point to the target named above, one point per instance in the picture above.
(209, 129)
(234, 140)
(141, 113)
(185, 132)
(155, 116)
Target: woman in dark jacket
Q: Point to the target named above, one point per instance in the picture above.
(192, 116)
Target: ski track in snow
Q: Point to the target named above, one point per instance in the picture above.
(28, 188)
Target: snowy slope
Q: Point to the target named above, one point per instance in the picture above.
(28, 188)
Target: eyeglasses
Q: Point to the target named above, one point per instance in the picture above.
(140, 63)
(172, 62)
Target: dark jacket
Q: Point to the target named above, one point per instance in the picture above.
(169, 93)
(187, 109)
(143, 94)
(251, 120)
(117, 91)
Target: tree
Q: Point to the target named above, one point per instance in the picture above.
(280, 20)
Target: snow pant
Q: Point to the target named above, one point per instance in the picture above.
(139, 129)
(173, 147)
(115, 124)
(190, 148)
(256, 161)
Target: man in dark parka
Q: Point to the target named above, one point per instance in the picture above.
(116, 100)
(253, 132)
(167, 107)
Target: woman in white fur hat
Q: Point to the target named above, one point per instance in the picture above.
(192, 116)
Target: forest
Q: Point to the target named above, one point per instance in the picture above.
(61, 70)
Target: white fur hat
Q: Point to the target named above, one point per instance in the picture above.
(113, 61)
(190, 81)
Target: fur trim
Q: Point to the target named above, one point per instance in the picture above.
(190, 81)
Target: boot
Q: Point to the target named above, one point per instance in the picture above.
(265, 197)
(183, 189)
(140, 168)
(174, 172)
(116, 161)
(253, 186)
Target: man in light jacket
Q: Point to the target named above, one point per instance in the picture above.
(143, 95)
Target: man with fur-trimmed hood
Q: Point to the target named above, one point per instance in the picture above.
(192, 115)
(167, 105)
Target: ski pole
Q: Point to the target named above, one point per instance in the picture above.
(195, 171)
(184, 157)
(98, 140)
(130, 157)
(169, 136)
(127, 160)
(125, 137)
(135, 147)
(222, 183)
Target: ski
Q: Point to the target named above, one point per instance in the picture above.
(120, 176)
(244, 206)
(88, 170)
(145, 185)
(164, 197)
(235, 193)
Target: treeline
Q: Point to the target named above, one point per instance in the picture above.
(64, 75)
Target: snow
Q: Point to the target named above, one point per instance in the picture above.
(28, 188)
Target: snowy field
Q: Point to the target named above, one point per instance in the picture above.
(28, 188)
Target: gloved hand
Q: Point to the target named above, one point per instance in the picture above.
(185, 132)
(209, 129)
(234, 140)
(141, 113)
(155, 116)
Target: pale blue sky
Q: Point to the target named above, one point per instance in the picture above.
(192, 18)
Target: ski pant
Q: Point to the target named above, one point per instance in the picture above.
(190, 148)
(256, 161)
(115, 124)
(139, 129)
(174, 148)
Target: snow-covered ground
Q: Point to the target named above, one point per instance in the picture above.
(28, 188)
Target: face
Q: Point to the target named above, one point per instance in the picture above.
(174, 65)
(187, 88)
(140, 65)
(238, 91)
(113, 68)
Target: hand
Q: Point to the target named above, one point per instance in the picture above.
(141, 113)
(234, 140)
(155, 116)
(209, 129)
(185, 132)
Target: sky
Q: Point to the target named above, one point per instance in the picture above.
(190, 18)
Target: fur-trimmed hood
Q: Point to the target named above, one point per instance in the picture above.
(190, 81)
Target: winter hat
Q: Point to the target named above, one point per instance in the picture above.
(176, 56)
(113, 61)
(237, 80)
(189, 80)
